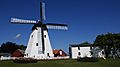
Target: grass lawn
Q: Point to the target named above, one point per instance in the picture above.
(64, 63)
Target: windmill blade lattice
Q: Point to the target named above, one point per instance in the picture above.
(22, 21)
(57, 26)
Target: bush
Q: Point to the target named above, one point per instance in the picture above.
(87, 59)
(25, 60)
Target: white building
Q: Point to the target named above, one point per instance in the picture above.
(79, 51)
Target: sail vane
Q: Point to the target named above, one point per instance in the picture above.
(22, 21)
(57, 26)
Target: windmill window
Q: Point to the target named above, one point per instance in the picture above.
(36, 44)
(32, 36)
(47, 54)
(45, 36)
(27, 54)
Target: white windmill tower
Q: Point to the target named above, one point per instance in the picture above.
(39, 45)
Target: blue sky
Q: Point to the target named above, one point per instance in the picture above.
(86, 20)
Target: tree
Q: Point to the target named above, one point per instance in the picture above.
(22, 47)
(108, 41)
(0, 49)
(9, 47)
(85, 43)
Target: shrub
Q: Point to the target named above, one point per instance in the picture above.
(87, 59)
(25, 60)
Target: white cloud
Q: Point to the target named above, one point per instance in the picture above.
(18, 36)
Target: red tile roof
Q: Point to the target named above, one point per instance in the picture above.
(58, 52)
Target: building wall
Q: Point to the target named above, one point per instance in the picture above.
(32, 43)
(48, 47)
(80, 52)
(85, 52)
(34, 47)
(74, 52)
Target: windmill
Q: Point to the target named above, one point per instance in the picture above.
(39, 45)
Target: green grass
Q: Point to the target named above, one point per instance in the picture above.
(64, 63)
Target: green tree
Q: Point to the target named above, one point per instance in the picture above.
(85, 43)
(22, 47)
(108, 41)
(9, 47)
(0, 49)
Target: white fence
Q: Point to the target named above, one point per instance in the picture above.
(50, 58)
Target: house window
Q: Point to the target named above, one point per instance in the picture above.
(36, 44)
(91, 52)
(90, 48)
(60, 52)
(79, 53)
(78, 48)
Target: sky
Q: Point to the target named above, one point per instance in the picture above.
(86, 19)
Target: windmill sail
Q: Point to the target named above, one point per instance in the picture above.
(22, 21)
(57, 26)
(43, 11)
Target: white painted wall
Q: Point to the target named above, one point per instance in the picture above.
(74, 51)
(84, 52)
(48, 48)
(32, 49)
